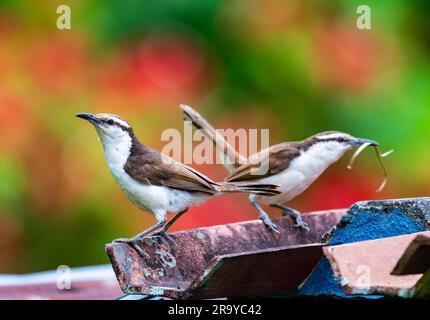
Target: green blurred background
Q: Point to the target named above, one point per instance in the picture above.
(296, 67)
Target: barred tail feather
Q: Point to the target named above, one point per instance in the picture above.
(253, 188)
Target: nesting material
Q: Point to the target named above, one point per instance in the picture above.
(378, 155)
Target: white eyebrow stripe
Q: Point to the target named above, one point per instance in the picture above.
(116, 119)
(331, 136)
(122, 122)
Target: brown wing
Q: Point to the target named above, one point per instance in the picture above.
(150, 169)
(266, 163)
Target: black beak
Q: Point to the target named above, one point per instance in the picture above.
(88, 116)
(358, 142)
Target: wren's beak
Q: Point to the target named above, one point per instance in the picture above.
(356, 142)
(89, 117)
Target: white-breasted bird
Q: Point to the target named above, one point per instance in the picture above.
(294, 166)
(155, 182)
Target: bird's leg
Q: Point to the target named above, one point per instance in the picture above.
(263, 215)
(132, 244)
(143, 234)
(163, 231)
(132, 241)
(297, 217)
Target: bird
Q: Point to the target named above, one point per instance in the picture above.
(154, 182)
(294, 166)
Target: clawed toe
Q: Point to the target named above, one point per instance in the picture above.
(274, 228)
(269, 224)
(132, 243)
(297, 217)
(139, 250)
(301, 225)
(164, 236)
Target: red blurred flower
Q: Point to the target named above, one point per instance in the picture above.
(15, 123)
(162, 68)
(57, 63)
(346, 57)
(167, 64)
(50, 165)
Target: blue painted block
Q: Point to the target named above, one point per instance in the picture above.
(368, 220)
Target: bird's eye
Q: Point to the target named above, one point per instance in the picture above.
(110, 122)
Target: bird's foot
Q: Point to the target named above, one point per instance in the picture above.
(132, 242)
(297, 217)
(301, 225)
(164, 236)
(269, 224)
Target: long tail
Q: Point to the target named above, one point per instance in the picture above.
(234, 158)
(254, 188)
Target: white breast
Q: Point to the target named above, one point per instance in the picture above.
(304, 170)
(154, 199)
